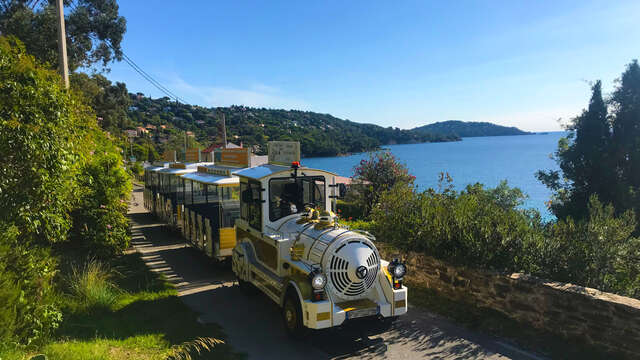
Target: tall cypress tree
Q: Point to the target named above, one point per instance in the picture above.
(626, 136)
(585, 162)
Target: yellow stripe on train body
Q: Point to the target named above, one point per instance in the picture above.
(227, 238)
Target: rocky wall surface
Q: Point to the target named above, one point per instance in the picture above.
(607, 321)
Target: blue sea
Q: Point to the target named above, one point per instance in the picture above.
(487, 160)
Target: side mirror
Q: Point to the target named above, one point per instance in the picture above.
(342, 190)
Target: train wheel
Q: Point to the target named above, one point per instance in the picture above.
(246, 287)
(292, 316)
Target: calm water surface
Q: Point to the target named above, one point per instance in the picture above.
(481, 159)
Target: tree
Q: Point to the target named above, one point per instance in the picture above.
(94, 30)
(625, 103)
(109, 101)
(377, 174)
(585, 162)
(43, 136)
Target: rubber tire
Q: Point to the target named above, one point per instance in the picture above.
(292, 307)
(387, 323)
(246, 287)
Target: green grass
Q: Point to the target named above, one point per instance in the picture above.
(125, 311)
(91, 287)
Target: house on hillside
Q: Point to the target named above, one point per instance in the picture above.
(190, 133)
(131, 133)
(151, 127)
(141, 131)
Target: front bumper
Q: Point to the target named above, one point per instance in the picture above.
(326, 314)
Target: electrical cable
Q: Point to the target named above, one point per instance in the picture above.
(137, 68)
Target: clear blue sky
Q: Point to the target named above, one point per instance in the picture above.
(391, 63)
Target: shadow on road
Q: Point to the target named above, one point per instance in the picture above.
(253, 323)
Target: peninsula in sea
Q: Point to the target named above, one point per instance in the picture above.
(319, 134)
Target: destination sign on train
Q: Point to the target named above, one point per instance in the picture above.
(284, 152)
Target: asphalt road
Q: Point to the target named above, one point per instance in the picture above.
(253, 324)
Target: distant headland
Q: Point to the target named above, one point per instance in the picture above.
(469, 129)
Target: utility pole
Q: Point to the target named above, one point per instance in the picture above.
(224, 133)
(62, 44)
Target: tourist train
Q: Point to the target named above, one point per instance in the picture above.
(275, 222)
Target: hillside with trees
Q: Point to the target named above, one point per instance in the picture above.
(468, 129)
(319, 134)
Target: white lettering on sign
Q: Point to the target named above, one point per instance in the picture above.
(284, 152)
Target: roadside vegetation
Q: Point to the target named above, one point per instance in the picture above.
(122, 310)
(594, 241)
(67, 289)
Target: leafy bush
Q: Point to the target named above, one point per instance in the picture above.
(598, 252)
(350, 210)
(91, 287)
(100, 223)
(54, 175)
(484, 228)
(475, 227)
(379, 173)
(42, 139)
(29, 312)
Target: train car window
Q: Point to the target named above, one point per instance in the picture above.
(289, 196)
(180, 191)
(188, 196)
(199, 194)
(212, 194)
(230, 205)
(251, 204)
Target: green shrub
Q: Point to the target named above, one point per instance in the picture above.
(348, 210)
(377, 174)
(91, 288)
(29, 313)
(99, 218)
(484, 228)
(365, 225)
(42, 141)
(475, 227)
(58, 170)
(100, 223)
(597, 252)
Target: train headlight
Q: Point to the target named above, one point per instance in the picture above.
(318, 281)
(397, 269)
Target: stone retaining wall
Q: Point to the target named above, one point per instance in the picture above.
(607, 321)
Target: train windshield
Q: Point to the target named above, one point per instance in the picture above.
(290, 195)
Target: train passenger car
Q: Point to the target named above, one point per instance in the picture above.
(291, 247)
(169, 201)
(152, 185)
(211, 207)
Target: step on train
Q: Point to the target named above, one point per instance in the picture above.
(275, 222)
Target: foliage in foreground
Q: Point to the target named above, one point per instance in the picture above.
(484, 228)
(29, 312)
(91, 288)
(141, 317)
(62, 179)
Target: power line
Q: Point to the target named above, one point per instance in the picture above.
(145, 75)
(139, 70)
